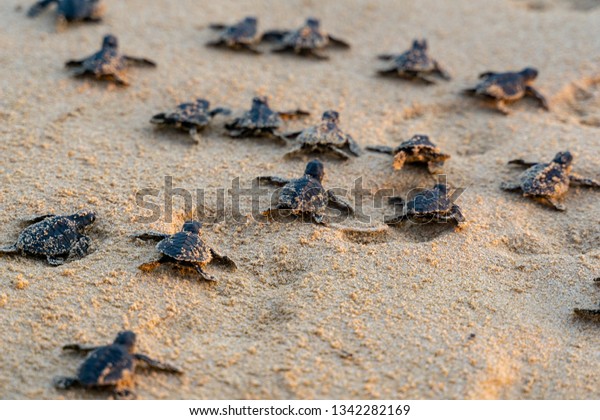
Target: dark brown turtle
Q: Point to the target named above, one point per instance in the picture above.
(185, 248)
(108, 63)
(308, 40)
(241, 36)
(324, 137)
(589, 314)
(260, 120)
(434, 205)
(56, 238)
(71, 10)
(412, 64)
(417, 149)
(548, 183)
(305, 195)
(111, 367)
(503, 88)
(191, 117)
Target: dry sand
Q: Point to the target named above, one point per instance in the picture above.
(311, 312)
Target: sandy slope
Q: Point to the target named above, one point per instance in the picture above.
(311, 313)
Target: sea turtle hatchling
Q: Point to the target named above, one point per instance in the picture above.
(503, 88)
(191, 117)
(241, 36)
(107, 63)
(185, 248)
(71, 10)
(414, 63)
(305, 195)
(261, 120)
(430, 205)
(548, 183)
(111, 367)
(417, 149)
(55, 238)
(324, 137)
(308, 40)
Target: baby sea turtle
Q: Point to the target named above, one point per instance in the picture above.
(503, 88)
(185, 248)
(324, 137)
(107, 63)
(55, 238)
(308, 40)
(71, 10)
(548, 182)
(589, 314)
(240, 36)
(432, 205)
(191, 117)
(111, 367)
(306, 195)
(260, 120)
(414, 63)
(417, 149)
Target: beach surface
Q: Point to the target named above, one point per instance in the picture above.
(481, 312)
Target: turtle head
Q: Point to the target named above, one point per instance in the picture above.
(125, 339)
(192, 226)
(110, 41)
(250, 20)
(259, 101)
(419, 44)
(84, 217)
(563, 158)
(315, 169)
(313, 23)
(331, 117)
(529, 73)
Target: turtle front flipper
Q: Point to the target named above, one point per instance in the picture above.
(155, 364)
(195, 135)
(588, 314)
(138, 61)
(149, 266)
(65, 382)
(82, 247)
(553, 202)
(435, 166)
(295, 113)
(203, 273)
(56, 260)
(338, 152)
(510, 186)
(35, 219)
(276, 180)
(224, 259)
(381, 149)
(340, 202)
(522, 162)
(151, 236)
(9, 250)
(441, 72)
(299, 150)
(124, 394)
(354, 147)
(501, 106)
(220, 110)
(530, 90)
(273, 35)
(74, 63)
(337, 42)
(79, 348)
(39, 7)
(396, 201)
(395, 220)
(586, 182)
(456, 215)
(399, 160)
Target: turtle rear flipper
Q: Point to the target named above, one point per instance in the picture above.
(9, 249)
(66, 382)
(381, 149)
(337, 42)
(39, 7)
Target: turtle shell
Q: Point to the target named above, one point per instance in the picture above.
(545, 179)
(429, 202)
(243, 32)
(107, 365)
(190, 113)
(306, 38)
(185, 246)
(260, 117)
(415, 60)
(508, 86)
(415, 144)
(74, 10)
(326, 133)
(51, 237)
(107, 61)
(304, 195)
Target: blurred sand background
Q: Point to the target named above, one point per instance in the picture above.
(419, 312)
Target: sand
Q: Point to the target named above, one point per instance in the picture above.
(418, 312)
